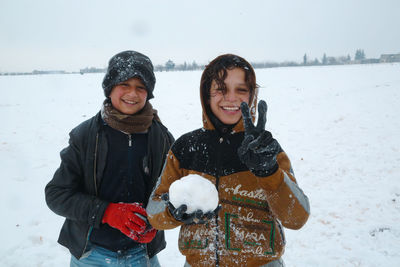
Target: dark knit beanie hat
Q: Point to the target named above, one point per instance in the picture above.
(126, 65)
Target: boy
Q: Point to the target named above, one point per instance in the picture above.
(109, 170)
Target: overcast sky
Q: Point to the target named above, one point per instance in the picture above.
(73, 34)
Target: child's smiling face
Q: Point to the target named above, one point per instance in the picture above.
(226, 105)
(129, 97)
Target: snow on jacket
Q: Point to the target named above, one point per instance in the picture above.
(73, 191)
(247, 230)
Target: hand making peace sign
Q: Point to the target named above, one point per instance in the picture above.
(258, 149)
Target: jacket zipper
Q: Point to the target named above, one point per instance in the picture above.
(95, 164)
(129, 140)
(95, 187)
(221, 139)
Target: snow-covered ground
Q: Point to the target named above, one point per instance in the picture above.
(340, 125)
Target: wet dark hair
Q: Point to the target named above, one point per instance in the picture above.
(217, 70)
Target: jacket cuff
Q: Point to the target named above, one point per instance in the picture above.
(97, 216)
(273, 181)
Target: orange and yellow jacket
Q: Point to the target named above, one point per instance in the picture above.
(247, 230)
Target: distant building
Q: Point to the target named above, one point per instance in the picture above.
(370, 61)
(390, 58)
(92, 70)
(35, 72)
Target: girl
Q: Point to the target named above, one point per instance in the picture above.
(257, 189)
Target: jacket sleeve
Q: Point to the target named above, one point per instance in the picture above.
(285, 198)
(157, 209)
(65, 194)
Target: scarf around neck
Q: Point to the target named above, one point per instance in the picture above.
(135, 123)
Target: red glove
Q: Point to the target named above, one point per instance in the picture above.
(129, 218)
(147, 236)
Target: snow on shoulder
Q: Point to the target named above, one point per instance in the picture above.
(196, 192)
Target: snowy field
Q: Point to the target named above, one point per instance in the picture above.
(340, 125)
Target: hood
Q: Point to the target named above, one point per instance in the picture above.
(239, 127)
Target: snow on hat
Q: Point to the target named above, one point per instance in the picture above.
(126, 65)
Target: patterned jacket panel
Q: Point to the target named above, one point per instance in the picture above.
(247, 228)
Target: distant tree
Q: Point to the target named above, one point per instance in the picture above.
(342, 60)
(316, 61)
(158, 67)
(305, 59)
(194, 65)
(324, 60)
(331, 60)
(348, 58)
(169, 65)
(360, 55)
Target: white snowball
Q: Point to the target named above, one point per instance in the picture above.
(194, 191)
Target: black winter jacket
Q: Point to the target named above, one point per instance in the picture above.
(73, 191)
